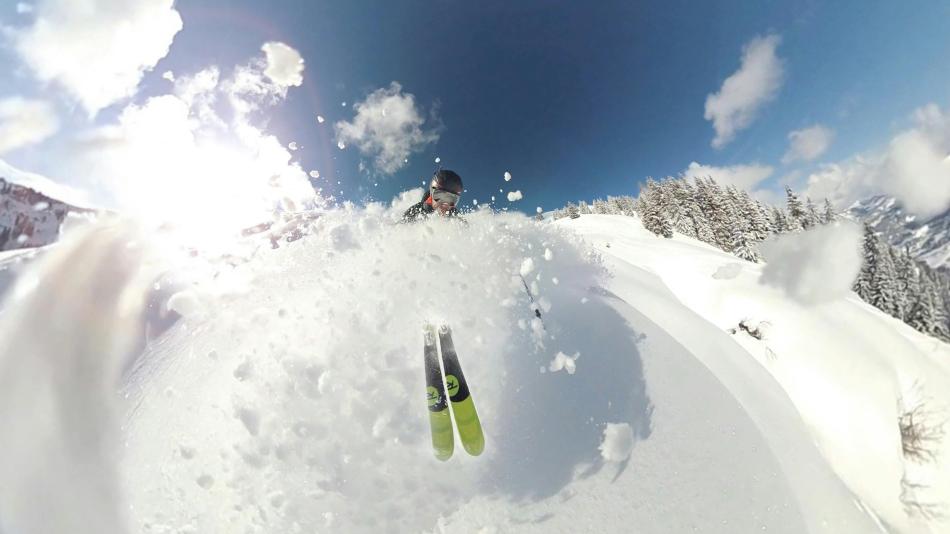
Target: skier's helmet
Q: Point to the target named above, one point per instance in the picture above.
(447, 180)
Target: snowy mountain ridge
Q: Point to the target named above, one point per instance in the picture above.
(927, 239)
(28, 218)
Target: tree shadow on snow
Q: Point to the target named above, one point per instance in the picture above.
(551, 424)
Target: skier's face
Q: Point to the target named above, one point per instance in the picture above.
(443, 201)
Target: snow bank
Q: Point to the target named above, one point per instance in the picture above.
(843, 365)
(303, 398)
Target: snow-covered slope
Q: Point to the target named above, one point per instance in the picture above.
(290, 396)
(928, 240)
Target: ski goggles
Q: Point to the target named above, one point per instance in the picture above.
(441, 196)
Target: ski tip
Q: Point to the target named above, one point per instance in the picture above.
(443, 455)
(476, 448)
(444, 329)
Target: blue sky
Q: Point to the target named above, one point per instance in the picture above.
(576, 100)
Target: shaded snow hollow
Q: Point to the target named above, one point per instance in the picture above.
(293, 400)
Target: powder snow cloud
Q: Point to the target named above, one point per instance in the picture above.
(387, 127)
(743, 94)
(815, 266)
(24, 122)
(194, 157)
(914, 167)
(97, 50)
(808, 144)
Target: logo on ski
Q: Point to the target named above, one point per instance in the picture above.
(432, 396)
(452, 384)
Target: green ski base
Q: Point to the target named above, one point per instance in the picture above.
(443, 439)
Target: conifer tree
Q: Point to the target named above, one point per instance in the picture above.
(796, 212)
(829, 215)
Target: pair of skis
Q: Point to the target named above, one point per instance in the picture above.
(466, 418)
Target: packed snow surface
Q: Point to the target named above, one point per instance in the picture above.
(289, 398)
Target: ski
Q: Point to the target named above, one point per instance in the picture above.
(443, 439)
(463, 407)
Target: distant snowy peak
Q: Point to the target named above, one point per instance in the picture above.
(927, 239)
(29, 218)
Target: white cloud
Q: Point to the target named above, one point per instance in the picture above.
(743, 93)
(97, 50)
(742, 176)
(808, 144)
(914, 167)
(816, 266)
(284, 64)
(387, 127)
(25, 122)
(176, 158)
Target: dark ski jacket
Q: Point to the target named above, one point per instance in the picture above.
(423, 209)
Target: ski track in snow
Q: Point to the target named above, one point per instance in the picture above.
(289, 398)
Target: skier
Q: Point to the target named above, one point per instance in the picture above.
(443, 195)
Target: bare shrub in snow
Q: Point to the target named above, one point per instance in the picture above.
(921, 427)
(917, 507)
(756, 330)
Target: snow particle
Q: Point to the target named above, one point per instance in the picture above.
(539, 210)
(320, 119)
(563, 361)
(314, 174)
(548, 255)
(728, 271)
(186, 303)
(618, 442)
(341, 145)
(243, 372)
(250, 418)
(438, 159)
(555, 281)
(292, 145)
(514, 195)
(186, 452)
(526, 266)
(507, 176)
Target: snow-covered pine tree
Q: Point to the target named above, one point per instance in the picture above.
(600, 207)
(724, 216)
(742, 244)
(752, 212)
(885, 294)
(656, 221)
(622, 205)
(680, 194)
(908, 280)
(828, 215)
(862, 284)
(922, 315)
(812, 218)
(572, 210)
(583, 208)
(779, 221)
(796, 211)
